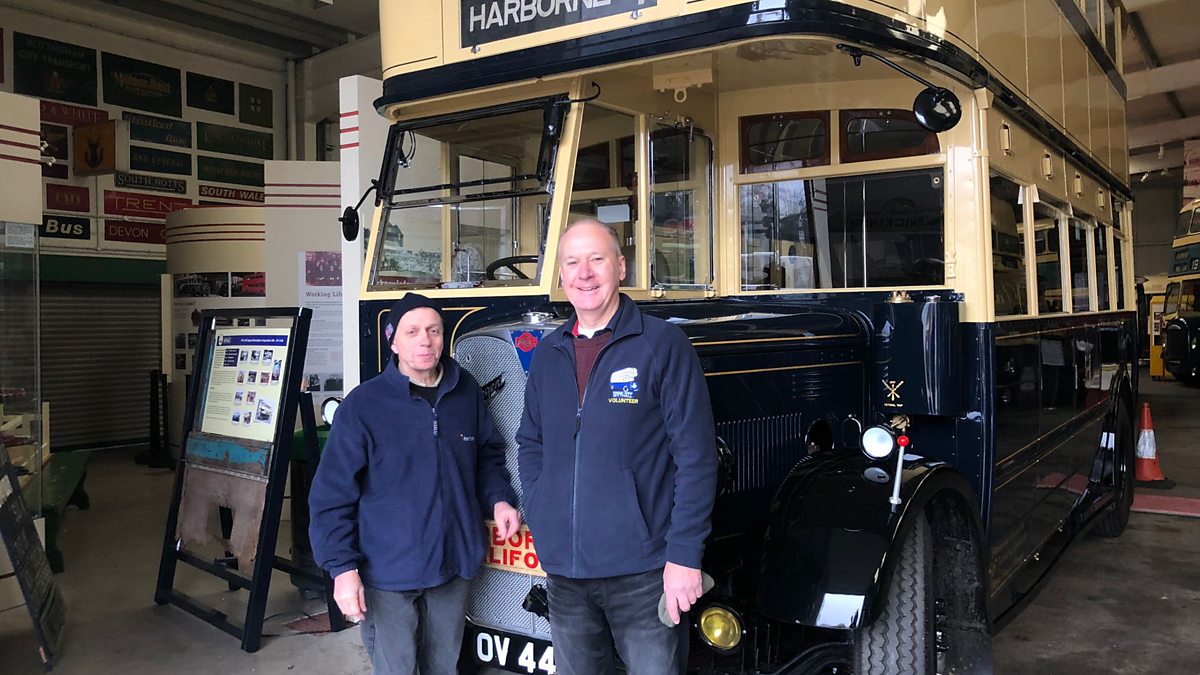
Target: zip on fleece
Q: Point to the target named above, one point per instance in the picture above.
(575, 459)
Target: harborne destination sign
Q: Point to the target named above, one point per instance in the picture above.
(485, 21)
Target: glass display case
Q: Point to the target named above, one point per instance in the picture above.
(22, 417)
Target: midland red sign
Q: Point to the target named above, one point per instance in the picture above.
(68, 198)
(119, 203)
(138, 233)
(239, 194)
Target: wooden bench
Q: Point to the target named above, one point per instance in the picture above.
(61, 485)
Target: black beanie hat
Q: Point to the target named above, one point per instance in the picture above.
(403, 306)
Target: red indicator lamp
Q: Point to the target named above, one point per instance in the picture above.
(902, 441)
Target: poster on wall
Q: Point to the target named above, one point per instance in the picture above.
(1191, 170)
(45, 68)
(133, 83)
(209, 93)
(234, 141)
(245, 382)
(220, 170)
(248, 284)
(58, 142)
(161, 130)
(320, 287)
(254, 105)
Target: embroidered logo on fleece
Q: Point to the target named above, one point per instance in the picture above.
(624, 386)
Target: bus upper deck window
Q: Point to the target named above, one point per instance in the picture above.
(1077, 251)
(1008, 248)
(780, 141)
(884, 134)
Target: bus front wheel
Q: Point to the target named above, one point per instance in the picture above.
(902, 639)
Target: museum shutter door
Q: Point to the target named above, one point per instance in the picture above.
(99, 342)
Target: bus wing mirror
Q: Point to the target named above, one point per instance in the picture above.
(937, 109)
(349, 221)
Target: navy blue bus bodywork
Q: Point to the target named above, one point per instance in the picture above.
(1020, 441)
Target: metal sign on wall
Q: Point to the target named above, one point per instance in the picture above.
(159, 161)
(161, 130)
(221, 170)
(139, 205)
(483, 21)
(135, 232)
(155, 183)
(255, 105)
(68, 198)
(97, 148)
(234, 141)
(133, 83)
(65, 227)
(46, 68)
(209, 93)
(71, 115)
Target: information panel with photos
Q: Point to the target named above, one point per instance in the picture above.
(245, 383)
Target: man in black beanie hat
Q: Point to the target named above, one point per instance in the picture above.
(412, 466)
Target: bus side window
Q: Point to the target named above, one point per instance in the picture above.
(1046, 224)
(1008, 248)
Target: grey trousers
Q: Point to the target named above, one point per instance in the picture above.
(415, 632)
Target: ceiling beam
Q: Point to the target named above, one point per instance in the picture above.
(1146, 135)
(1152, 61)
(1139, 5)
(1150, 162)
(217, 26)
(1163, 80)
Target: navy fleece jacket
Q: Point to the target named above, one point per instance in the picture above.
(626, 481)
(402, 486)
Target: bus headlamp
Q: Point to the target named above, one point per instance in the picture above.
(878, 442)
(720, 627)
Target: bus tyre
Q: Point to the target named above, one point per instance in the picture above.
(901, 640)
(1113, 522)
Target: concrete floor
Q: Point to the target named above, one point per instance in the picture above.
(1130, 605)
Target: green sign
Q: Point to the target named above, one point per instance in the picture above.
(47, 68)
(229, 171)
(163, 130)
(133, 83)
(234, 141)
(155, 183)
(209, 93)
(159, 161)
(254, 106)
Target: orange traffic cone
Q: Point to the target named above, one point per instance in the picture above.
(1149, 473)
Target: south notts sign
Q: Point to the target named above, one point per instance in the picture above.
(490, 20)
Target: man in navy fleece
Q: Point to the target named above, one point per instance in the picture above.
(618, 462)
(412, 466)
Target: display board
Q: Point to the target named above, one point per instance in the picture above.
(29, 562)
(238, 429)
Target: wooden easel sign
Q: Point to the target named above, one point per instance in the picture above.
(29, 562)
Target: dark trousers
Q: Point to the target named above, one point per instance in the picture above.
(415, 632)
(588, 615)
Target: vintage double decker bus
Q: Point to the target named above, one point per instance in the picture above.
(1180, 325)
(898, 236)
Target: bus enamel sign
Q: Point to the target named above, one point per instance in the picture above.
(486, 21)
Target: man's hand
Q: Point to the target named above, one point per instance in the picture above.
(682, 587)
(350, 596)
(508, 519)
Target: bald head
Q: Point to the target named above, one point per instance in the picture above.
(593, 223)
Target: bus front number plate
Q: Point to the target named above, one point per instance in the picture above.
(514, 653)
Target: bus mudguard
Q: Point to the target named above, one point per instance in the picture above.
(832, 533)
